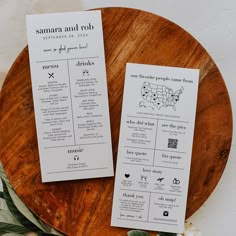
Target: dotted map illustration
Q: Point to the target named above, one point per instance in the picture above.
(159, 96)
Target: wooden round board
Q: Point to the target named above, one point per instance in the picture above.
(83, 207)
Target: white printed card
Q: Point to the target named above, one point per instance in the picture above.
(69, 85)
(155, 146)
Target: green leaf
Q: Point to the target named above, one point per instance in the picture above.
(7, 217)
(53, 231)
(137, 233)
(4, 233)
(50, 229)
(167, 234)
(46, 234)
(3, 174)
(8, 223)
(14, 210)
(1, 195)
(19, 204)
(10, 228)
(3, 205)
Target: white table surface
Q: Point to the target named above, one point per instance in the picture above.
(211, 22)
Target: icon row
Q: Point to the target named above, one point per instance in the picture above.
(144, 178)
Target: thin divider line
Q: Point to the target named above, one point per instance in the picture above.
(154, 149)
(149, 206)
(68, 59)
(174, 168)
(139, 147)
(166, 220)
(82, 144)
(155, 144)
(71, 101)
(167, 167)
(137, 164)
(153, 222)
(152, 118)
(58, 172)
(169, 151)
(134, 190)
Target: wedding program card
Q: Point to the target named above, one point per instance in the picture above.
(70, 95)
(155, 146)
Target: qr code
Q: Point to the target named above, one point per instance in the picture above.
(172, 143)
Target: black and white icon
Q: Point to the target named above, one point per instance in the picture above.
(160, 179)
(142, 104)
(143, 178)
(85, 72)
(176, 181)
(51, 75)
(76, 157)
(165, 213)
(127, 176)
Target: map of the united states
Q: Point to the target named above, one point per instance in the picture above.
(160, 95)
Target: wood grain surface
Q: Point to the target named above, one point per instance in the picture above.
(83, 207)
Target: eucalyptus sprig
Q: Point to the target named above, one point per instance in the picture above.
(15, 217)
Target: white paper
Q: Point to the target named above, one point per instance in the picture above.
(70, 95)
(155, 146)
